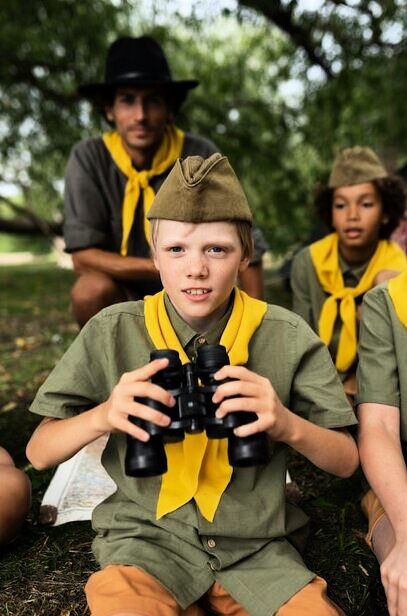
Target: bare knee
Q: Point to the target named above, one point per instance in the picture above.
(92, 292)
(15, 501)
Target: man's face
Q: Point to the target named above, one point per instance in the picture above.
(198, 265)
(140, 115)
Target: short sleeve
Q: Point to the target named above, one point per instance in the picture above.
(377, 372)
(86, 215)
(78, 381)
(317, 391)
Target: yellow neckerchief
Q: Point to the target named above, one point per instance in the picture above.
(398, 292)
(198, 467)
(325, 257)
(137, 181)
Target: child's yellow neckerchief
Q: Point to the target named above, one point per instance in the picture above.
(325, 257)
(198, 467)
(137, 181)
(398, 292)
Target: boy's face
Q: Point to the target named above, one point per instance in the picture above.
(140, 115)
(357, 215)
(198, 265)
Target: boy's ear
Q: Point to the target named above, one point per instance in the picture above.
(244, 264)
(385, 219)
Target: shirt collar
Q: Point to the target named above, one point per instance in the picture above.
(186, 334)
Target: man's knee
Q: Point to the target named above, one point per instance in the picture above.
(92, 292)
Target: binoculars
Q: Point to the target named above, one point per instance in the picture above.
(193, 386)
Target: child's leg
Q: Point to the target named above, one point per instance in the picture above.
(120, 590)
(15, 498)
(311, 600)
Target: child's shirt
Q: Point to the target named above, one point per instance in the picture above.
(245, 548)
(309, 297)
(382, 374)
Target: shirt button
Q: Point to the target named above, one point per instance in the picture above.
(214, 564)
(211, 543)
(201, 340)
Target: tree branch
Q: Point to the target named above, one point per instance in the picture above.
(34, 225)
(282, 16)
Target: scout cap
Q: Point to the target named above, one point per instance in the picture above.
(201, 190)
(356, 166)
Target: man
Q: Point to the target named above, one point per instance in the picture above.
(111, 180)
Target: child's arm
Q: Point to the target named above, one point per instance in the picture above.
(57, 440)
(383, 463)
(333, 451)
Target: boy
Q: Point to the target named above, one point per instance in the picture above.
(205, 530)
(362, 204)
(382, 410)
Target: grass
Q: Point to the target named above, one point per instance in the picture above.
(43, 572)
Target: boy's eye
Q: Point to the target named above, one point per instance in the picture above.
(175, 249)
(367, 203)
(338, 205)
(216, 249)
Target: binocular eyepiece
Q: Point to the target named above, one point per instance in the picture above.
(193, 387)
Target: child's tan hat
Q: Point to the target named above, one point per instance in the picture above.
(201, 190)
(356, 166)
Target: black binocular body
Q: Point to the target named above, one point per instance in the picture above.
(193, 386)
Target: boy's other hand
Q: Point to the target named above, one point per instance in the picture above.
(255, 393)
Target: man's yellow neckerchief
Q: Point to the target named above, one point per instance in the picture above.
(198, 467)
(325, 257)
(398, 292)
(137, 181)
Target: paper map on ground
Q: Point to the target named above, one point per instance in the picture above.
(79, 484)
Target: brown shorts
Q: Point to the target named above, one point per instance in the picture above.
(121, 589)
(373, 510)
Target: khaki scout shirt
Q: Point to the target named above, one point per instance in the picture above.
(309, 297)
(382, 374)
(246, 547)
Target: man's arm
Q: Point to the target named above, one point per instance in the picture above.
(251, 280)
(114, 265)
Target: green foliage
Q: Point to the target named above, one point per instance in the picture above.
(280, 141)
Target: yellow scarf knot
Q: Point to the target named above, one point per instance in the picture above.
(198, 467)
(325, 257)
(139, 181)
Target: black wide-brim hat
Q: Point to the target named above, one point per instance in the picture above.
(139, 62)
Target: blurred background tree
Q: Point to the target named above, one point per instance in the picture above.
(284, 86)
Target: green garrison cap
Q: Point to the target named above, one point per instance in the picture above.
(201, 190)
(356, 166)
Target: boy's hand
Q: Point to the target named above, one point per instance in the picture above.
(393, 572)
(114, 413)
(256, 395)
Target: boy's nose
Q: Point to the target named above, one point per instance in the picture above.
(197, 268)
(353, 212)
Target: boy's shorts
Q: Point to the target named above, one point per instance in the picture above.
(373, 510)
(122, 589)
